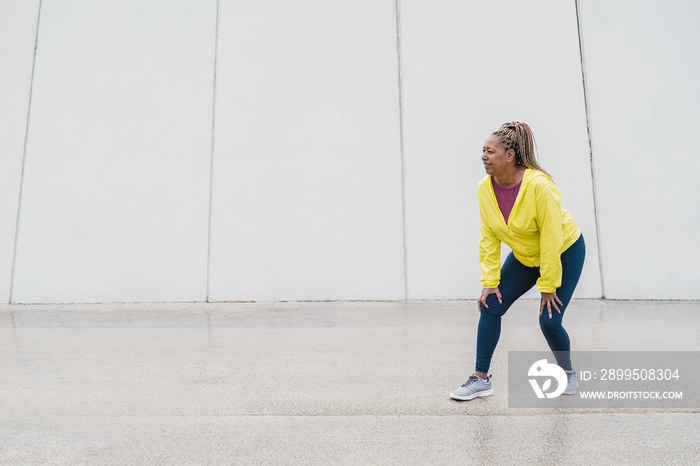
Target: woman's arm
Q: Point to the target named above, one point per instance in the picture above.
(551, 237)
(490, 259)
(551, 241)
(489, 250)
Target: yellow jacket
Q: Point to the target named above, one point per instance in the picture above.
(538, 230)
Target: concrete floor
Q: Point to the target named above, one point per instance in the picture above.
(315, 383)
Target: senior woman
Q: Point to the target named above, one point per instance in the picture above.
(520, 205)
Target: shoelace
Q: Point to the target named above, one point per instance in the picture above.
(471, 380)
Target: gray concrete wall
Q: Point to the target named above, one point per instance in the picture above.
(644, 103)
(18, 23)
(115, 194)
(307, 161)
(262, 150)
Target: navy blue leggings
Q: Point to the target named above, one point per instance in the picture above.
(516, 280)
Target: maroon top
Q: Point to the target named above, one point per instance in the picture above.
(505, 197)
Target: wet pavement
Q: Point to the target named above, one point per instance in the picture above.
(316, 383)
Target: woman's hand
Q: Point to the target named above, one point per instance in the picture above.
(485, 294)
(550, 300)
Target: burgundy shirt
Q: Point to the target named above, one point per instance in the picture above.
(505, 197)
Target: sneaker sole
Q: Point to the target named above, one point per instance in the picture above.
(571, 392)
(471, 397)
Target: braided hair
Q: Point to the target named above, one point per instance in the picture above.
(518, 136)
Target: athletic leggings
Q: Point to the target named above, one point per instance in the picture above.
(516, 279)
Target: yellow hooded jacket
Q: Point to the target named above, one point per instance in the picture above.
(538, 230)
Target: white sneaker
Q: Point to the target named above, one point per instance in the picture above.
(474, 387)
(572, 384)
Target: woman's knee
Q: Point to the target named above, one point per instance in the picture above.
(494, 308)
(549, 326)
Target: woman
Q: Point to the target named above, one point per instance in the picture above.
(520, 206)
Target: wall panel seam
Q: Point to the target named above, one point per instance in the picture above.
(211, 156)
(590, 148)
(401, 144)
(24, 158)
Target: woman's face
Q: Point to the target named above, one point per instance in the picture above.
(495, 157)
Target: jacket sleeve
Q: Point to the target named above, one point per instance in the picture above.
(548, 202)
(489, 254)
